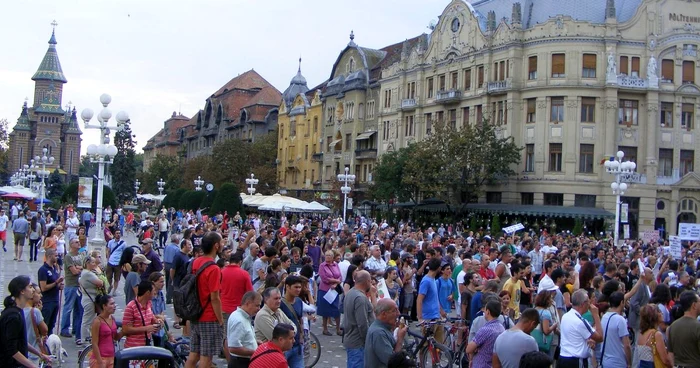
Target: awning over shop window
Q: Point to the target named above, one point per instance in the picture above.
(522, 210)
(333, 143)
(365, 135)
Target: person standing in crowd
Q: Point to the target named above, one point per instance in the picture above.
(617, 351)
(269, 315)
(446, 288)
(72, 267)
(271, 353)
(115, 248)
(329, 273)
(640, 298)
(169, 254)
(91, 286)
(536, 260)
(375, 264)
(482, 345)
(35, 234)
(260, 267)
(36, 327)
(513, 343)
(50, 283)
(133, 278)
(14, 347)
(87, 218)
(358, 317)
(651, 346)
(240, 336)
(235, 283)
(155, 265)
(3, 229)
(577, 336)
(72, 225)
(380, 344)
(207, 333)
(428, 305)
(503, 268)
(158, 307)
(163, 228)
(139, 323)
(514, 286)
(684, 333)
(293, 308)
(104, 333)
(20, 227)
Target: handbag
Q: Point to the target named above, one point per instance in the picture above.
(544, 342)
(658, 363)
(605, 340)
(40, 340)
(143, 322)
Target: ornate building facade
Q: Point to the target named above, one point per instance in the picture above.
(300, 130)
(572, 83)
(167, 141)
(244, 108)
(44, 123)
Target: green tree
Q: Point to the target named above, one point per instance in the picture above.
(173, 198)
(54, 187)
(194, 200)
(208, 201)
(390, 181)
(496, 225)
(578, 227)
(184, 200)
(163, 167)
(228, 198)
(87, 168)
(123, 169)
(4, 150)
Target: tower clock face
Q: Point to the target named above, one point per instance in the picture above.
(455, 25)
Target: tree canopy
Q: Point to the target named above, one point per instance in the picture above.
(228, 198)
(163, 167)
(123, 170)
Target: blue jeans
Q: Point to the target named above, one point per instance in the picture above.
(71, 303)
(295, 357)
(356, 358)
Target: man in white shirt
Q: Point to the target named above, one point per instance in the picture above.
(72, 225)
(375, 264)
(16, 208)
(577, 336)
(240, 336)
(3, 229)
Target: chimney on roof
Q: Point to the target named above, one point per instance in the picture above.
(174, 114)
(610, 9)
(516, 17)
(491, 21)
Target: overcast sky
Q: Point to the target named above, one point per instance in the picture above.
(155, 57)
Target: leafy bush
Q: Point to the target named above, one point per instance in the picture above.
(228, 198)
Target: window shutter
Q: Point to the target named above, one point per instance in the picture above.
(624, 65)
(635, 64)
(558, 64)
(589, 61)
(532, 64)
(667, 69)
(688, 71)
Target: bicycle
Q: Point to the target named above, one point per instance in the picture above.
(312, 349)
(431, 353)
(457, 340)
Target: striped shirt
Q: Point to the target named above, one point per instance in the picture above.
(262, 359)
(132, 317)
(485, 339)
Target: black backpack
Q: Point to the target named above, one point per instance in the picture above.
(186, 297)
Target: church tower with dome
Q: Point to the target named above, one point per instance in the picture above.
(44, 123)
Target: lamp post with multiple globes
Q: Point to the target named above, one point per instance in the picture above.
(347, 179)
(161, 185)
(620, 169)
(43, 174)
(198, 183)
(251, 182)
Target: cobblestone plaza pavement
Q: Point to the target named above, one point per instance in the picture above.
(332, 352)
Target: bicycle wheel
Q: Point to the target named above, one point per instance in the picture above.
(84, 357)
(312, 350)
(439, 357)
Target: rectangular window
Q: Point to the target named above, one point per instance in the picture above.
(558, 66)
(387, 99)
(687, 161)
(584, 200)
(630, 153)
(329, 139)
(588, 110)
(667, 68)
(529, 157)
(467, 79)
(532, 68)
(688, 72)
(348, 142)
(500, 112)
(527, 198)
(452, 117)
(557, 111)
(441, 82)
(665, 162)
(555, 156)
(306, 152)
(585, 158)
(479, 114)
(502, 70)
(628, 112)
(589, 66)
(428, 124)
(411, 90)
(624, 65)
(431, 87)
(666, 115)
(531, 110)
(635, 66)
(493, 197)
(313, 175)
(455, 80)
(687, 116)
(465, 116)
(480, 76)
(409, 127)
(553, 199)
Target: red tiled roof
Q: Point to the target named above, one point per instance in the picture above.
(169, 133)
(246, 81)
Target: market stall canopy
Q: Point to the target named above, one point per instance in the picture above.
(14, 195)
(252, 200)
(37, 201)
(278, 202)
(151, 197)
(315, 207)
(25, 192)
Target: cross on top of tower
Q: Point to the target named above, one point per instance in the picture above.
(54, 24)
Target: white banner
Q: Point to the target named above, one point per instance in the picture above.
(675, 246)
(687, 231)
(84, 192)
(624, 213)
(626, 231)
(513, 228)
(650, 236)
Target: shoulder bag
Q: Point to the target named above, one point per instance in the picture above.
(658, 363)
(544, 342)
(40, 340)
(143, 323)
(605, 340)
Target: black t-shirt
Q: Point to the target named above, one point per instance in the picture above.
(180, 265)
(197, 240)
(13, 336)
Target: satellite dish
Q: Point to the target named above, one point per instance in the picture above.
(432, 24)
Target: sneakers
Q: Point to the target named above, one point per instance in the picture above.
(66, 334)
(79, 342)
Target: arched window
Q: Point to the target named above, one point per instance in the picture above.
(361, 111)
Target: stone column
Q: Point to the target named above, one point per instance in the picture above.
(651, 148)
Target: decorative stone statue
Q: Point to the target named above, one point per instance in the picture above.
(652, 73)
(611, 75)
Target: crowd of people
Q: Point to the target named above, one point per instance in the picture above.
(528, 299)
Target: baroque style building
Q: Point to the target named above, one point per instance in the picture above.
(572, 82)
(167, 141)
(44, 123)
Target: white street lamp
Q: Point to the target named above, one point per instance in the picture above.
(345, 189)
(161, 185)
(43, 174)
(621, 170)
(198, 183)
(103, 153)
(137, 184)
(252, 182)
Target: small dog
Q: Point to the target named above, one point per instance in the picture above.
(56, 349)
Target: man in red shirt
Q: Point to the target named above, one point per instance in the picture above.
(235, 282)
(271, 353)
(206, 335)
(485, 272)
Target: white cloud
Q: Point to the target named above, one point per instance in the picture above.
(155, 57)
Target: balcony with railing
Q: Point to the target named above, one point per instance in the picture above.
(627, 81)
(408, 104)
(448, 96)
(366, 153)
(664, 179)
(317, 157)
(498, 86)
